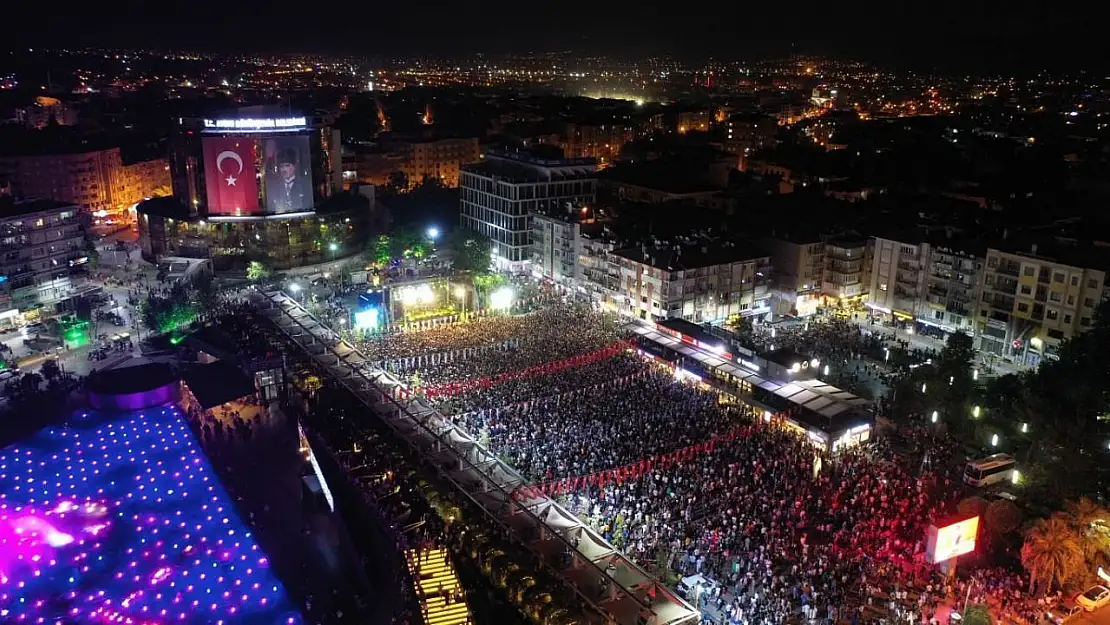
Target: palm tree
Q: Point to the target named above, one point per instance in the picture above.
(1051, 553)
(1091, 522)
(977, 614)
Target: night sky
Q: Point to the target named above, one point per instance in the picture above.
(950, 34)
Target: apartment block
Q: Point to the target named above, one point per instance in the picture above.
(847, 274)
(1032, 301)
(695, 282)
(951, 289)
(799, 267)
(557, 246)
(898, 270)
(44, 253)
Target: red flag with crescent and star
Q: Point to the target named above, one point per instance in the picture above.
(229, 172)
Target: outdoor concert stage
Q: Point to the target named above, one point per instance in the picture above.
(121, 519)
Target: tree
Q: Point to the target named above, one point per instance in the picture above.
(50, 370)
(977, 615)
(398, 182)
(1002, 517)
(256, 271)
(471, 251)
(1091, 524)
(1051, 553)
(31, 383)
(381, 249)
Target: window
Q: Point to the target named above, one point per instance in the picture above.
(1054, 296)
(1085, 321)
(1026, 289)
(938, 314)
(882, 287)
(1071, 300)
(1052, 314)
(1089, 302)
(1023, 307)
(1058, 277)
(1029, 271)
(1067, 319)
(1075, 280)
(1092, 284)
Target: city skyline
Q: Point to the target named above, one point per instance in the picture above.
(946, 36)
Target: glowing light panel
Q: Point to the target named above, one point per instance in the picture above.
(121, 519)
(956, 539)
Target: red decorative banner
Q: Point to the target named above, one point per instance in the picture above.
(631, 471)
(455, 388)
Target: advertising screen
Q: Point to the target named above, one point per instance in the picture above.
(949, 541)
(231, 175)
(288, 174)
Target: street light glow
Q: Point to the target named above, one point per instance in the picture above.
(294, 287)
(501, 299)
(333, 246)
(433, 233)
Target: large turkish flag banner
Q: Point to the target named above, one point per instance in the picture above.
(230, 175)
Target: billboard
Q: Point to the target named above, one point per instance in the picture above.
(951, 540)
(288, 178)
(231, 175)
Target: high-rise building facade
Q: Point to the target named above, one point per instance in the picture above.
(498, 194)
(799, 267)
(1031, 302)
(98, 180)
(441, 159)
(898, 269)
(693, 282)
(557, 246)
(43, 253)
(846, 279)
(951, 289)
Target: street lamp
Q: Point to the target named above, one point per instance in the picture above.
(333, 247)
(922, 387)
(975, 411)
(433, 233)
(994, 440)
(935, 416)
(294, 287)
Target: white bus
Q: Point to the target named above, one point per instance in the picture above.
(990, 470)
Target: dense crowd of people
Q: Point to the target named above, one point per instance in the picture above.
(787, 532)
(554, 332)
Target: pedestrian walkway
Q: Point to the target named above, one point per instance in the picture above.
(441, 595)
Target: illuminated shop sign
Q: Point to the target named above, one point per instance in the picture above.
(255, 124)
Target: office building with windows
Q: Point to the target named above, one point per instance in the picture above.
(499, 193)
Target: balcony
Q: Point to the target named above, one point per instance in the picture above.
(1010, 269)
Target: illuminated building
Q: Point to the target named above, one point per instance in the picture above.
(121, 518)
(693, 282)
(799, 265)
(43, 253)
(1034, 300)
(898, 269)
(951, 289)
(441, 159)
(46, 110)
(256, 184)
(557, 245)
(697, 120)
(499, 193)
(603, 142)
(749, 132)
(845, 279)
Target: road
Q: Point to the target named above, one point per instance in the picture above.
(997, 366)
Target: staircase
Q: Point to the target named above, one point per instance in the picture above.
(431, 570)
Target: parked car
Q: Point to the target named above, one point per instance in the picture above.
(1062, 613)
(1093, 598)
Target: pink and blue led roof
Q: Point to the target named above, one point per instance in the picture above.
(121, 519)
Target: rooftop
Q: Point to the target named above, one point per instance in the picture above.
(692, 256)
(10, 207)
(509, 168)
(217, 383)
